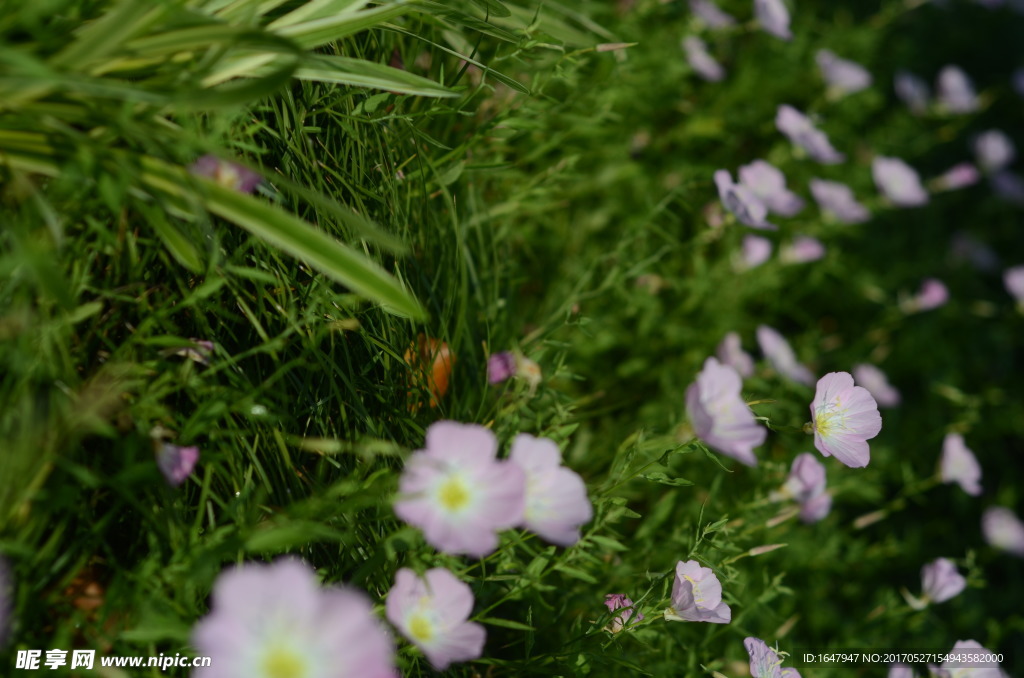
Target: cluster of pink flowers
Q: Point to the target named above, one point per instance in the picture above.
(461, 495)
(268, 621)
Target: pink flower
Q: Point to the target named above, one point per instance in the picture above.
(842, 75)
(844, 417)
(900, 671)
(228, 174)
(1013, 278)
(956, 91)
(700, 60)
(806, 484)
(500, 367)
(837, 199)
(1008, 186)
(913, 91)
(765, 662)
(932, 295)
(697, 595)
(755, 251)
(433, 613)
(779, 353)
(806, 478)
(720, 417)
(710, 14)
(628, 616)
(556, 497)
(458, 492)
(877, 384)
(176, 463)
(964, 247)
(802, 250)
(898, 182)
(816, 508)
(773, 17)
(959, 465)
(769, 185)
(802, 132)
(730, 352)
(994, 150)
(1003, 529)
(741, 201)
(268, 621)
(940, 581)
(966, 663)
(959, 176)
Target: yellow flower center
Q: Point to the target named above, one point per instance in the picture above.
(283, 663)
(453, 494)
(420, 628)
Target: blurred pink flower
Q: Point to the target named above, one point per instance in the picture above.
(1013, 278)
(433, 612)
(741, 201)
(268, 621)
(932, 295)
(806, 478)
(900, 671)
(959, 465)
(806, 484)
(959, 176)
(1017, 80)
(226, 173)
(773, 17)
(556, 497)
(1008, 186)
(802, 250)
(965, 662)
(700, 60)
(956, 91)
(697, 595)
(1003, 530)
(710, 14)
(730, 352)
(720, 417)
(458, 492)
(842, 75)
(501, 366)
(877, 384)
(802, 132)
(913, 91)
(898, 181)
(940, 581)
(755, 251)
(765, 662)
(994, 150)
(626, 618)
(837, 199)
(176, 463)
(844, 417)
(769, 184)
(779, 353)
(964, 247)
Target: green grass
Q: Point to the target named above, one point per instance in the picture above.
(526, 211)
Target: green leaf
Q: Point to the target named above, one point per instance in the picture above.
(665, 479)
(576, 574)
(360, 73)
(293, 534)
(505, 623)
(493, 8)
(292, 235)
(310, 34)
